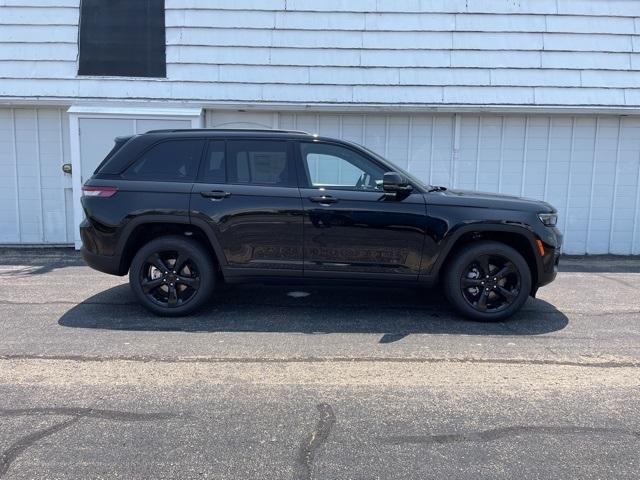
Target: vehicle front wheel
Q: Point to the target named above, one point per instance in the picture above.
(487, 281)
(172, 276)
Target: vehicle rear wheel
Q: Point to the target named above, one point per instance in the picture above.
(487, 281)
(172, 276)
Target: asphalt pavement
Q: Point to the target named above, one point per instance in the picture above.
(304, 382)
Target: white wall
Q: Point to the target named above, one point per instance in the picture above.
(35, 195)
(383, 52)
(588, 167)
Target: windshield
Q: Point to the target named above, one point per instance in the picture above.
(395, 168)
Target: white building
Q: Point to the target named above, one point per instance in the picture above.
(539, 98)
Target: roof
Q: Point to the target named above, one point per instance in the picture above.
(226, 131)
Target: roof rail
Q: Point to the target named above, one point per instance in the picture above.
(261, 130)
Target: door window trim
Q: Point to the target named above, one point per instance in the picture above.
(205, 157)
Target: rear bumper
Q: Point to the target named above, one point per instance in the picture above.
(91, 246)
(102, 263)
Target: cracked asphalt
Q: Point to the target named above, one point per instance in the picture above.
(343, 383)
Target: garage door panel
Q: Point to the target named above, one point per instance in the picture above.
(31, 155)
(353, 128)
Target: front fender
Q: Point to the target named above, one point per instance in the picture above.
(441, 249)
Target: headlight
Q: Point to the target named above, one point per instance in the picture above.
(549, 219)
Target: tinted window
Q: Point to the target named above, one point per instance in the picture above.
(214, 166)
(122, 38)
(168, 161)
(119, 142)
(259, 162)
(333, 166)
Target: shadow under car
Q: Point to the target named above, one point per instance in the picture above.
(390, 311)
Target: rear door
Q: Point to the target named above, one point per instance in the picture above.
(247, 195)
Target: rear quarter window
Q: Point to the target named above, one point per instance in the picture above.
(119, 142)
(168, 161)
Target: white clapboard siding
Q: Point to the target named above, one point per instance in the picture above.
(35, 195)
(549, 53)
(588, 167)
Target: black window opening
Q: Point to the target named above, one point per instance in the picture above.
(168, 161)
(249, 162)
(122, 38)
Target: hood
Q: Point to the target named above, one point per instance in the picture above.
(487, 200)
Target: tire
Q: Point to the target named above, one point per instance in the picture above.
(487, 281)
(164, 291)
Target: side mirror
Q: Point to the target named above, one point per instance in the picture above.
(393, 182)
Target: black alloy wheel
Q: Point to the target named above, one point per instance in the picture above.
(487, 280)
(172, 275)
(490, 283)
(170, 278)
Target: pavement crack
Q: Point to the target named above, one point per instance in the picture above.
(10, 454)
(311, 444)
(350, 360)
(15, 450)
(87, 412)
(504, 432)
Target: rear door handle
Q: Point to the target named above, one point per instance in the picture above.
(324, 199)
(216, 194)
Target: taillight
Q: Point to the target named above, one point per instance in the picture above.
(98, 191)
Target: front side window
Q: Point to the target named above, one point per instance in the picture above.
(259, 162)
(168, 161)
(336, 167)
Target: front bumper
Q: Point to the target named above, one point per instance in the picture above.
(548, 268)
(550, 263)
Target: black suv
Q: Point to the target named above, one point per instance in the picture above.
(182, 210)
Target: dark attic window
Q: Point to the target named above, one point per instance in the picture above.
(123, 38)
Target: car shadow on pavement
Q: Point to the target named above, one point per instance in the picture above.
(392, 312)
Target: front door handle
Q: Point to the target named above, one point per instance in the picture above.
(324, 199)
(215, 194)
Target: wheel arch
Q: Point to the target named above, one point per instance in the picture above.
(142, 230)
(517, 237)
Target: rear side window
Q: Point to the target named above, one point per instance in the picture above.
(214, 167)
(260, 162)
(168, 161)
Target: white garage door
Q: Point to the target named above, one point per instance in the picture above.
(587, 166)
(35, 195)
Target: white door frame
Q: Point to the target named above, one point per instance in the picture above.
(76, 112)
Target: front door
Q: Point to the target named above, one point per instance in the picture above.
(247, 195)
(351, 227)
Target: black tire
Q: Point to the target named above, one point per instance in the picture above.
(164, 291)
(487, 281)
